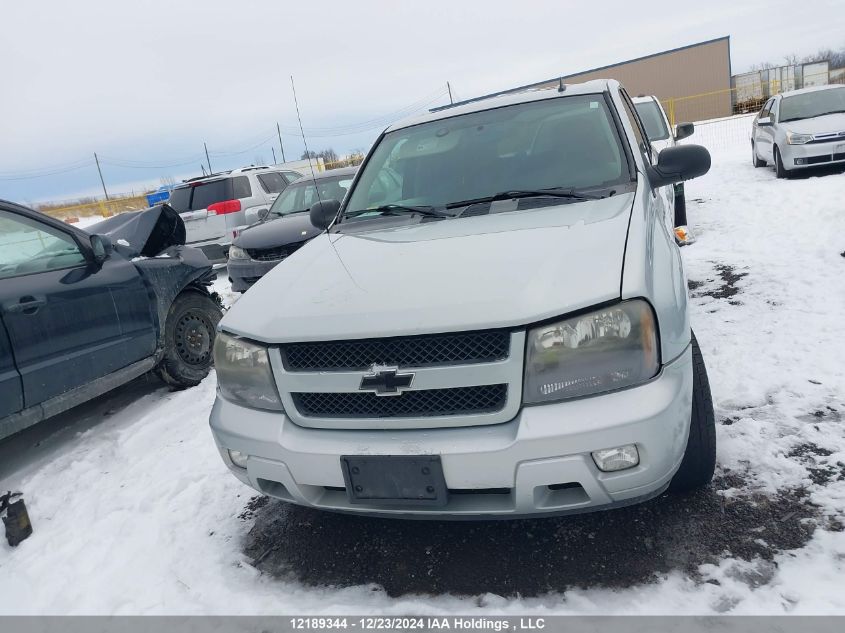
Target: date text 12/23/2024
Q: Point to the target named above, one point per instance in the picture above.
(451, 623)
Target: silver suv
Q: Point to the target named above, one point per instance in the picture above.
(493, 323)
(214, 207)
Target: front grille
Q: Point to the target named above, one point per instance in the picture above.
(410, 351)
(411, 404)
(828, 138)
(273, 254)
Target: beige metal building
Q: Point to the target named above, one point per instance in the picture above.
(693, 81)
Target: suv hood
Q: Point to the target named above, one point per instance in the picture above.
(278, 232)
(495, 270)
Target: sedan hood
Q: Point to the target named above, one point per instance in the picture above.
(827, 124)
(495, 270)
(143, 233)
(278, 232)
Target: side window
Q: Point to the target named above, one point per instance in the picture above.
(292, 175)
(773, 110)
(28, 246)
(240, 187)
(765, 111)
(271, 182)
(642, 140)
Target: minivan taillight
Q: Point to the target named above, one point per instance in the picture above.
(222, 208)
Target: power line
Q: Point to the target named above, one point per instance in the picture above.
(317, 132)
(48, 173)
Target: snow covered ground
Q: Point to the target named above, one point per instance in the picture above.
(134, 512)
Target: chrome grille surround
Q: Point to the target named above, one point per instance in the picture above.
(297, 387)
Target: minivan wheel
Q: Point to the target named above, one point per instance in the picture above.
(699, 460)
(188, 340)
(757, 161)
(780, 170)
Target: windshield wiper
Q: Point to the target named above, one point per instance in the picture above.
(512, 194)
(400, 209)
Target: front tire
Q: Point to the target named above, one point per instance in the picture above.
(699, 460)
(780, 170)
(189, 339)
(758, 162)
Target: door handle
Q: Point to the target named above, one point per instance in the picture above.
(28, 304)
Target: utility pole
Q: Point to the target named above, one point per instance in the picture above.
(449, 88)
(273, 149)
(100, 171)
(207, 158)
(279, 130)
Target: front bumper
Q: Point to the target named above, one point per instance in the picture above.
(216, 250)
(502, 470)
(245, 272)
(813, 155)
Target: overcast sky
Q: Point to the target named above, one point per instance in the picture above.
(145, 83)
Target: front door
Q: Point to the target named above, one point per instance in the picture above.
(69, 321)
(11, 392)
(764, 134)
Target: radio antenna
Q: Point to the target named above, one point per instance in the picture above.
(305, 142)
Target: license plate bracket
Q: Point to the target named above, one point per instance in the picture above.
(394, 479)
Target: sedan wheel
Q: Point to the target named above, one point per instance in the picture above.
(756, 159)
(780, 170)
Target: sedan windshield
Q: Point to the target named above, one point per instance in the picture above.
(812, 104)
(564, 143)
(301, 195)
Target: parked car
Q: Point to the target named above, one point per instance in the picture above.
(660, 134)
(503, 333)
(84, 312)
(800, 129)
(286, 227)
(214, 207)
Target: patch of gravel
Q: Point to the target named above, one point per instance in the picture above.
(727, 288)
(617, 548)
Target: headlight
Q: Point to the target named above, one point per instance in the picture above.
(236, 252)
(798, 139)
(607, 349)
(243, 373)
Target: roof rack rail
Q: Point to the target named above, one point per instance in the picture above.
(219, 173)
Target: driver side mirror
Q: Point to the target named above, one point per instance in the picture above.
(262, 214)
(679, 163)
(764, 121)
(684, 130)
(323, 213)
(101, 246)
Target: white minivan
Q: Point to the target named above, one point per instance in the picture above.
(214, 207)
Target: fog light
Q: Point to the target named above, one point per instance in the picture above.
(799, 161)
(619, 458)
(238, 458)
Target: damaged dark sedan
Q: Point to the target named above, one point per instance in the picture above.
(82, 312)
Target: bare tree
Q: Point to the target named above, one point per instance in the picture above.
(328, 155)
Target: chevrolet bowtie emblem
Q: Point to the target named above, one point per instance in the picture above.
(384, 380)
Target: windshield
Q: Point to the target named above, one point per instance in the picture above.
(652, 118)
(300, 196)
(568, 142)
(811, 104)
